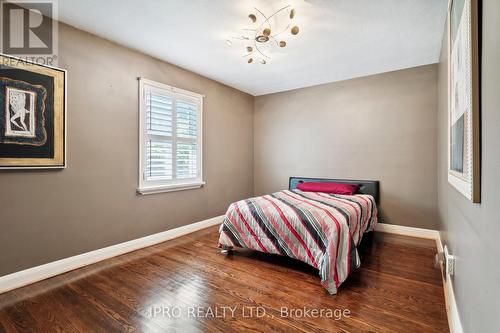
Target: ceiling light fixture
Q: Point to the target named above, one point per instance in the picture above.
(266, 33)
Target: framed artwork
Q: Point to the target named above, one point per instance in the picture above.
(32, 115)
(464, 169)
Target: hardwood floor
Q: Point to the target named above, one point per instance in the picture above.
(184, 285)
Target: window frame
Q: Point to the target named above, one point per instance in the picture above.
(160, 186)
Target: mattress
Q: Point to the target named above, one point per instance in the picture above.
(320, 229)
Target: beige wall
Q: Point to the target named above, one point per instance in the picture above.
(472, 230)
(381, 127)
(49, 215)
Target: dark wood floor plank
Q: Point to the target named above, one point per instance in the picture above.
(45, 308)
(397, 289)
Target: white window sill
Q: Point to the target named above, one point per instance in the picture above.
(169, 188)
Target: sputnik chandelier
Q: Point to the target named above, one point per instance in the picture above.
(267, 33)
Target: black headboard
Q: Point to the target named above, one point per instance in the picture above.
(370, 187)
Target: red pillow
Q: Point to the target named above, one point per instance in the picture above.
(335, 188)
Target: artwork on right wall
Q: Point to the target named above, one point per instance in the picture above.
(464, 169)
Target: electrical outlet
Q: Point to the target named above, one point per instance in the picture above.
(449, 262)
(446, 261)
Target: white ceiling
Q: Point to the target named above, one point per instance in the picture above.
(338, 39)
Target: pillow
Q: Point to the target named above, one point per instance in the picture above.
(335, 188)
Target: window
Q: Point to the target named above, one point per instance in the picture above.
(170, 138)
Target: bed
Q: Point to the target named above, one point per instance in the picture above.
(320, 229)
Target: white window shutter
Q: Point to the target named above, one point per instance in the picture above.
(159, 143)
(158, 160)
(187, 120)
(158, 114)
(171, 137)
(187, 135)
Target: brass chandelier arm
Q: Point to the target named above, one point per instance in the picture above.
(257, 48)
(282, 31)
(279, 10)
(275, 40)
(248, 54)
(240, 38)
(267, 18)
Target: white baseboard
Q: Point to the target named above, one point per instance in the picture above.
(42, 272)
(407, 231)
(449, 295)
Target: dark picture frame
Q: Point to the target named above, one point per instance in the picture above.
(32, 115)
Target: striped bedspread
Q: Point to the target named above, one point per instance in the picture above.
(320, 229)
